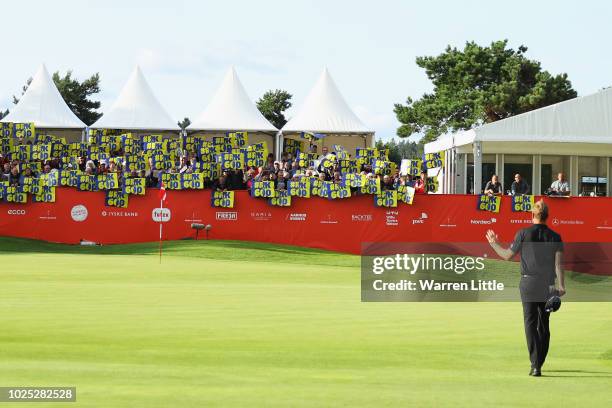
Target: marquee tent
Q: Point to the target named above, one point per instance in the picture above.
(325, 111)
(231, 109)
(43, 105)
(574, 137)
(137, 108)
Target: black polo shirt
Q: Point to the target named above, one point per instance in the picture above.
(538, 245)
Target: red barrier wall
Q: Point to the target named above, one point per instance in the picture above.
(340, 225)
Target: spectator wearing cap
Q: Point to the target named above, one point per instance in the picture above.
(103, 168)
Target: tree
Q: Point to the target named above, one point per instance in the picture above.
(479, 85)
(273, 104)
(76, 94)
(404, 149)
(184, 123)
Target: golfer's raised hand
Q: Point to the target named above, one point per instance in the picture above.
(492, 237)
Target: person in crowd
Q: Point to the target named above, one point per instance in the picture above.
(283, 177)
(151, 178)
(493, 186)
(273, 178)
(14, 178)
(337, 178)
(221, 183)
(90, 167)
(519, 186)
(103, 168)
(387, 183)
(324, 152)
(183, 167)
(277, 167)
(560, 186)
(81, 162)
(420, 184)
(269, 166)
(249, 178)
(6, 171)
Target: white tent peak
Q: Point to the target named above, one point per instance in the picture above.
(43, 105)
(231, 109)
(325, 111)
(136, 108)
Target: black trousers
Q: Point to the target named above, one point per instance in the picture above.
(537, 332)
(534, 293)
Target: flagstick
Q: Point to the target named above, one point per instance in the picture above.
(161, 205)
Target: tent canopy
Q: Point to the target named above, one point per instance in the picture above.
(43, 105)
(136, 108)
(325, 111)
(231, 109)
(586, 119)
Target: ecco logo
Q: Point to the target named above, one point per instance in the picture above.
(16, 212)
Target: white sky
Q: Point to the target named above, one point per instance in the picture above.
(185, 47)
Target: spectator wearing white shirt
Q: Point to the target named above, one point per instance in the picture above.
(560, 186)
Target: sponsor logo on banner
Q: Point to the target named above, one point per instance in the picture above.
(391, 218)
(79, 213)
(261, 216)
(161, 214)
(521, 221)
(111, 213)
(47, 217)
(329, 219)
(484, 222)
(296, 217)
(557, 221)
(421, 219)
(16, 212)
(226, 216)
(361, 217)
(604, 226)
(448, 223)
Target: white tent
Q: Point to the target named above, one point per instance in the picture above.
(325, 111)
(578, 129)
(231, 109)
(136, 108)
(43, 105)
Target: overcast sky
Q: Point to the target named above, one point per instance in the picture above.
(185, 47)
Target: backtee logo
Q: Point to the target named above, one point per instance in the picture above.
(361, 217)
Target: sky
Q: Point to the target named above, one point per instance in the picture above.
(185, 47)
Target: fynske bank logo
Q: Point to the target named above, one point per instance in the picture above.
(79, 213)
(226, 216)
(116, 213)
(296, 217)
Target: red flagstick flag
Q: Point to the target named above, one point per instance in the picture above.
(162, 193)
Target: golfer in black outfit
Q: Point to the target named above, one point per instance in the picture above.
(541, 250)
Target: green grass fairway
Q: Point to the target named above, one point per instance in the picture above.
(233, 324)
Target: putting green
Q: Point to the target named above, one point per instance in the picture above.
(242, 324)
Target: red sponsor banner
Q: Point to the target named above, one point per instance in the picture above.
(339, 225)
